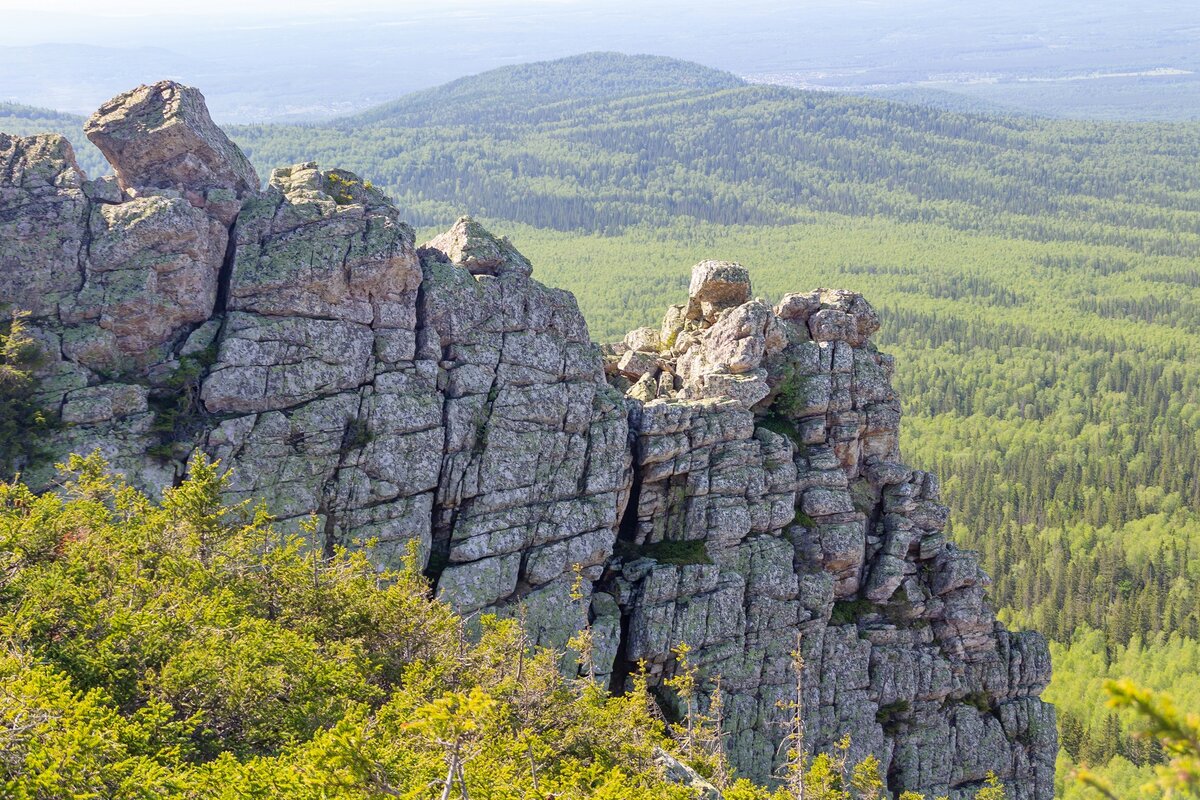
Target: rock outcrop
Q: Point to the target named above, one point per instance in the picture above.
(731, 479)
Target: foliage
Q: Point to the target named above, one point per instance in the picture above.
(677, 552)
(680, 553)
(181, 648)
(22, 419)
(780, 425)
(1178, 734)
(175, 403)
(848, 612)
(566, 158)
(889, 715)
(345, 188)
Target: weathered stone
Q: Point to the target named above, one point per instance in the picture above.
(43, 222)
(716, 286)
(700, 483)
(645, 339)
(325, 246)
(470, 246)
(635, 363)
(678, 772)
(102, 403)
(161, 137)
(151, 270)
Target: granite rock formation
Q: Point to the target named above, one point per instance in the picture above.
(731, 479)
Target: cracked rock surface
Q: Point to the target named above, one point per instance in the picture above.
(731, 479)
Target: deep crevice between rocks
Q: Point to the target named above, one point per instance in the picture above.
(622, 667)
(225, 275)
(895, 786)
(627, 528)
(441, 520)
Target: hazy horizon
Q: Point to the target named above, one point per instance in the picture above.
(270, 60)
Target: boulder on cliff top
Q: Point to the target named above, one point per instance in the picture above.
(161, 137)
(469, 245)
(716, 286)
(831, 315)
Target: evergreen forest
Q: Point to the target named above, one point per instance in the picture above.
(1038, 282)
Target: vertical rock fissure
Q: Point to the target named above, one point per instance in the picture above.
(225, 276)
(441, 520)
(622, 666)
(627, 527)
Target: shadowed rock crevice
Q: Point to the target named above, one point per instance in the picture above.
(225, 276)
(730, 479)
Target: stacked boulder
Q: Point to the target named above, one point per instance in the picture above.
(731, 479)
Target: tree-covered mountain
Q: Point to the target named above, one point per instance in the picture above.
(549, 89)
(760, 155)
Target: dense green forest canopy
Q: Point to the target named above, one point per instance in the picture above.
(1037, 280)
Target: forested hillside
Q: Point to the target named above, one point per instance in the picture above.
(27, 120)
(1037, 282)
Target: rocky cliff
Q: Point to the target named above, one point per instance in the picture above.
(731, 480)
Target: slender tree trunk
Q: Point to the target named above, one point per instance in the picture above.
(532, 764)
(462, 781)
(454, 770)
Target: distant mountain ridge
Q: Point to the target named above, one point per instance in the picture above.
(582, 78)
(604, 141)
(611, 145)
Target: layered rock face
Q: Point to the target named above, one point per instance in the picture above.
(765, 447)
(731, 480)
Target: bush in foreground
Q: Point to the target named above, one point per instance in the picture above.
(183, 648)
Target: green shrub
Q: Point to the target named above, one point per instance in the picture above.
(863, 496)
(846, 612)
(356, 435)
(979, 700)
(179, 648)
(890, 716)
(175, 403)
(669, 552)
(23, 422)
(782, 426)
(804, 520)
